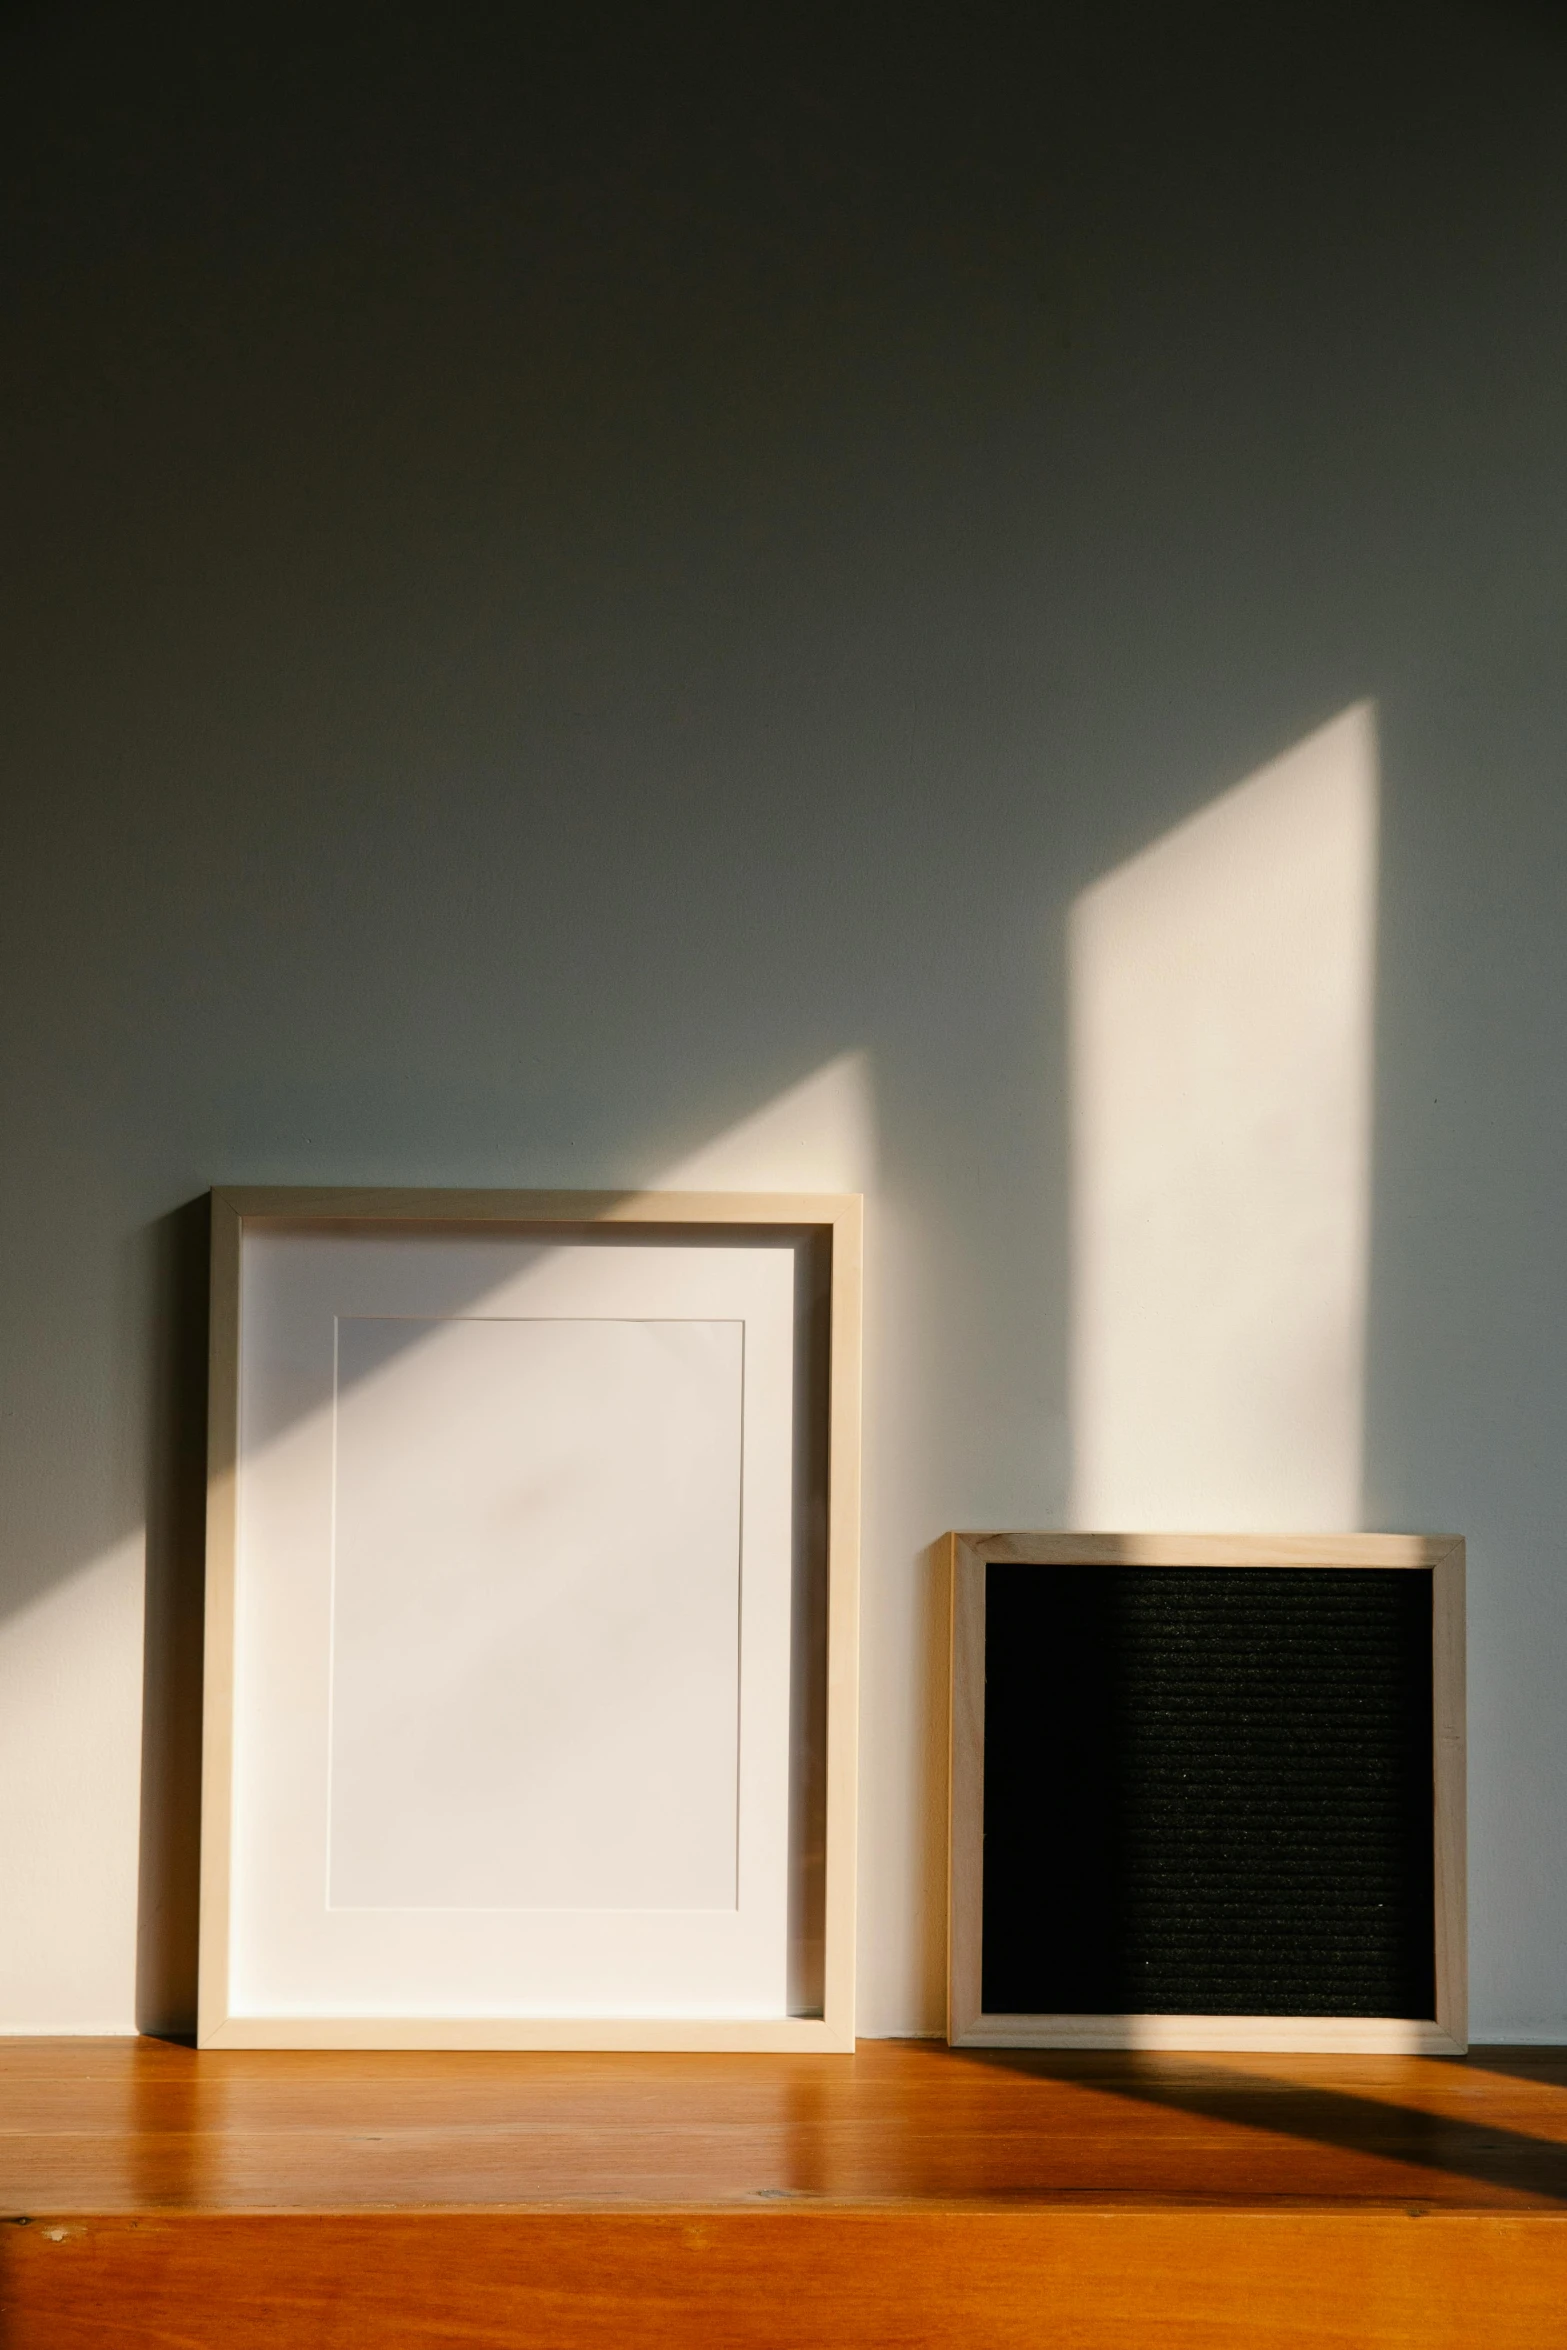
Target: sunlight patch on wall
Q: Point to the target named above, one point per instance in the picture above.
(1221, 1070)
(819, 1135)
(70, 1754)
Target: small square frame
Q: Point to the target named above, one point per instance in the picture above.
(968, 2025)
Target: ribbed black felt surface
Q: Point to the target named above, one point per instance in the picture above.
(1208, 1791)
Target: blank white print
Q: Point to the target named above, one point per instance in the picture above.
(535, 1680)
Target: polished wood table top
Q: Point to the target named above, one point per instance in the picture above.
(143, 2126)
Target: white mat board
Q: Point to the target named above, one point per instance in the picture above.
(513, 1602)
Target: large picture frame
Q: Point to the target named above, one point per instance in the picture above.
(970, 1556)
(530, 1709)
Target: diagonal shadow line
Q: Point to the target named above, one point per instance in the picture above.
(1542, 2061)
(1491, 2154)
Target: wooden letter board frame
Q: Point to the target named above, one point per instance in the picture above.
(968, 2026)
(831, 1226)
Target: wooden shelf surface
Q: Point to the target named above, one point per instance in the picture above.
(906, 2195)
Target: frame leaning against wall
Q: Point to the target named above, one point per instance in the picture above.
(969, 2026)
(822, 1236)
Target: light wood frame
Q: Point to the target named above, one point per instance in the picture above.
(834, 1222)
(968, 2026)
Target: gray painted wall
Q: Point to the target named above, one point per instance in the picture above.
(560, 577)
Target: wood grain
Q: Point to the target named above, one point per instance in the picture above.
(1052, 1547)
(965, 1793)
(143, 2128)
(910, 2195)
(1449, 1719)
(906, 2281)
(217, 1681)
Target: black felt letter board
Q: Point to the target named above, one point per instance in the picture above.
(1208, 1791)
